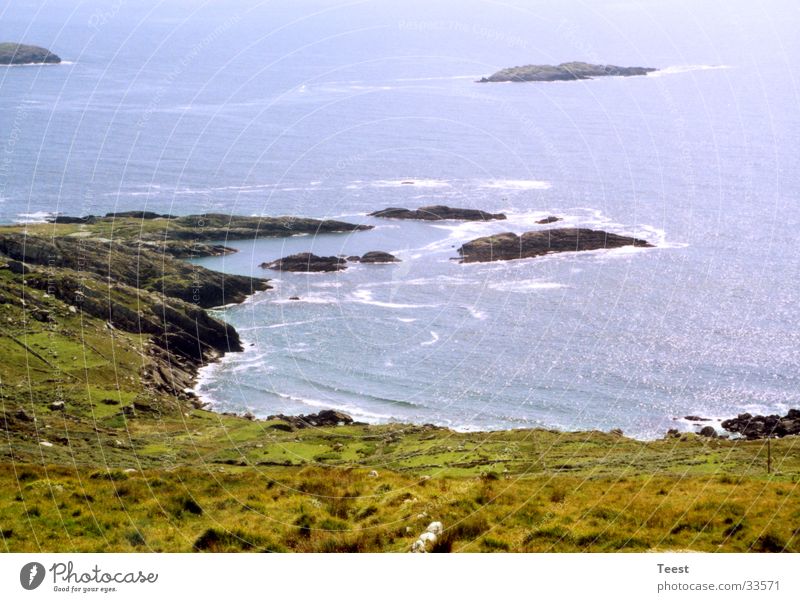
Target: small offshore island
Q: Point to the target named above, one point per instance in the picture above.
(563, 72)
(106, 447)
(12, 53)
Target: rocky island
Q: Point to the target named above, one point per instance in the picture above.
(12, 53)
(563, 72)
(438, 212)
(308, 262)
(305, 263)
(508, 245)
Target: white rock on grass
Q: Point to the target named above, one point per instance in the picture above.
(435, 527)
(372, 474)
(45, 444)
(429, 537)
(418, 547)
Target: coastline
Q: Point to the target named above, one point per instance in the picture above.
(165, 476)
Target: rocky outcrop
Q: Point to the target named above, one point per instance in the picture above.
(202, 228)
(306, 262)
(438, 212)
(550, 219)
(12, 53)
(218, 226)
(323, 418)
(563, 72)
(376, 257)
(759, 427)
(179, 336)
(137, 266)
(140, 215)
(543, 242)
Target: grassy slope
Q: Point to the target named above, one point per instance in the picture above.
(168, 477)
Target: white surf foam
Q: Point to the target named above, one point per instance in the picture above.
(366, 297)
(516, 184)
(36, 217)
(524, 286)
(677, 69)
(432, 341)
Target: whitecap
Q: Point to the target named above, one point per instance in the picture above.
(434, 338)
(36, 217)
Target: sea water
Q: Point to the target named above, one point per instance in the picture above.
(334, 111)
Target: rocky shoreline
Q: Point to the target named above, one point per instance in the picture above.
(132, 277)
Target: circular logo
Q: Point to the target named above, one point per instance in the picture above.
(31, 575)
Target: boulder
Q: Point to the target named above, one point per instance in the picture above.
(306, 262)
(708, 431)
(759, 427)
(322, 418)
(438, 212)
(508, 245)
(548, 220)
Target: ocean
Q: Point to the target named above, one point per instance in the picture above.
(335, 110)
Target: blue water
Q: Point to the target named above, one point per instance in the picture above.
(319, 109)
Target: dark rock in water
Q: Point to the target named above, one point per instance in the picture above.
(12, 53)
(323, 418)
(533, 244)
(306, 262)
(70, 219)
(696, 419)
(760, 427)
(563, 72)
(294, 298)
(549, 220)
(378, 257)
(140, 215)
(438, 212)
(708, 431)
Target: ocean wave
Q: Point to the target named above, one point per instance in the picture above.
(676, 69)
(524, 286)
(62, 63)
(365, 297)
(408, 182)
(432, 341)
(516, 184)
(36, 217)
